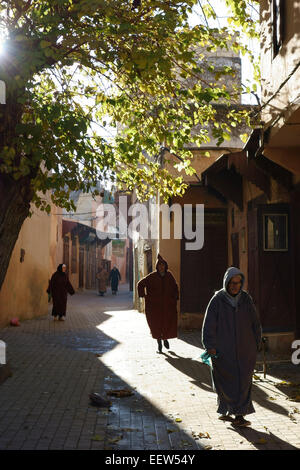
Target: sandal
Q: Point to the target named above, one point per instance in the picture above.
(240, 422)
(226, 418)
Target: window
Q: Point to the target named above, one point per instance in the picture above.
(277, 12)
(275, 232)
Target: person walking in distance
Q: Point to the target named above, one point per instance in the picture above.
(102, 277)
(59, 288)
(231, 335)
(114, 278)
(160, 291)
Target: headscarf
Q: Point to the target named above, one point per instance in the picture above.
(59, 268)
(230, 273)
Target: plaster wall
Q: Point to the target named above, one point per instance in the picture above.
(23, 292)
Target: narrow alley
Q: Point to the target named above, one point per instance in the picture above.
(103, 346)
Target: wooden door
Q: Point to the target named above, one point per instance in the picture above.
(274, 269)
(295, 246)
(66, 249)
(93, 265)
(81, 267)
(202, 270)
(276, 273)
(87, 267)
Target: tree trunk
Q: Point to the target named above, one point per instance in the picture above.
(15, 197)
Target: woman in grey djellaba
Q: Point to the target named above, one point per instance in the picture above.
(232, 332)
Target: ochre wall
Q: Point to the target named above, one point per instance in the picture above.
(56, 243)
(23, 292)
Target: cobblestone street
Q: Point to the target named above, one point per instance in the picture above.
(104, 345)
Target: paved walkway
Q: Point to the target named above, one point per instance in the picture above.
(105, 345)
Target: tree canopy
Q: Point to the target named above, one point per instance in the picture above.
(96, 87)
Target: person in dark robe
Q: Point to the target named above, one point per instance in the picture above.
(114, 278)
(161, 293)
(231, 335)
(59, 288)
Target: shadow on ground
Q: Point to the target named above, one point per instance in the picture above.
(55, 366)
(263, 440)
(262, 389)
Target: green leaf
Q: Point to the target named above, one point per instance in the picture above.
(99, 86)
(44, 44)
(244, 137)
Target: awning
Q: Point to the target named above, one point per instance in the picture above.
(225, 179)
(85, 233)
(226, 174)
(250, 170)
(255, 153)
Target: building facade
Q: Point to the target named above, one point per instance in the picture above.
(198, 272)
(91, 240)
(264, 207)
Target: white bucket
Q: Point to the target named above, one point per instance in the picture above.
(2, 352)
